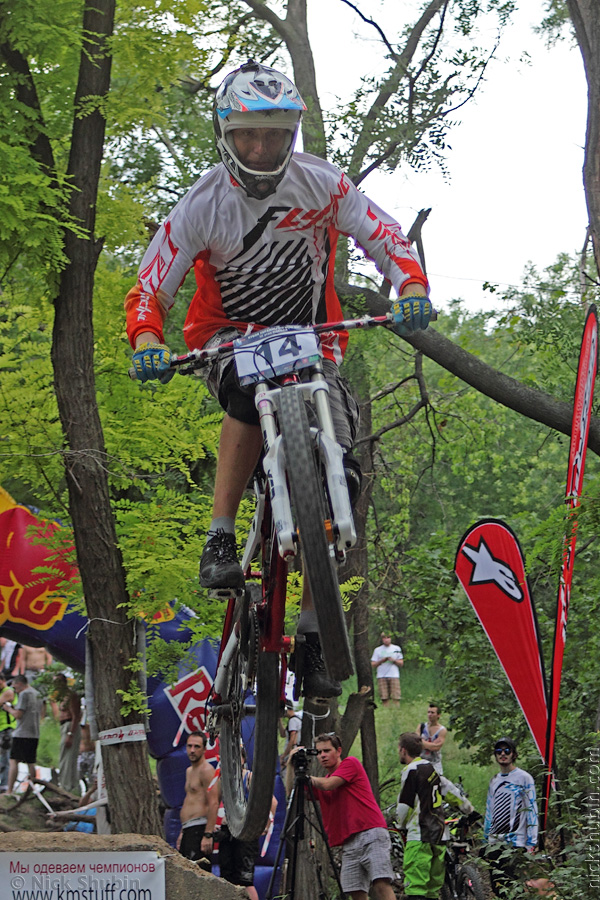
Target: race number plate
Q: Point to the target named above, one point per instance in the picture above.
(275, 351)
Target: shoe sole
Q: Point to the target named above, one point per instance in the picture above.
(224, 593)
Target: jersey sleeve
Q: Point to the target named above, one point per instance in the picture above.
(407, 796)
(168, 259)
(531, 814)
(380, 237)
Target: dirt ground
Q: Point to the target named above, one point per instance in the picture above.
(27, 812)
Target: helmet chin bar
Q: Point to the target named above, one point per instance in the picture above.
(257, 184)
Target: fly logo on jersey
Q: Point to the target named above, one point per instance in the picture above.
(385, 232)
(488, 570)
(157, 269)
(299, 220)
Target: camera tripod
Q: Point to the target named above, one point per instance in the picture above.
(293, 829)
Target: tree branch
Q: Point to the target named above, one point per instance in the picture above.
(26, 92)
(372, 22)
(390, 86)
(530, 402)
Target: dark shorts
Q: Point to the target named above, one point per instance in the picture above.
(238, 401)
(24, 749)
(237, 859)
(191, 839)
(507, 865)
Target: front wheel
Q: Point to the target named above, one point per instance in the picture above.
(470, 885)
(306, 491)
(248, 733)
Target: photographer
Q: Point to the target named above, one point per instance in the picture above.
(353, 820)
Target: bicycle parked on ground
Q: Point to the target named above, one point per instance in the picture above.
(302, 505)
(463, 881)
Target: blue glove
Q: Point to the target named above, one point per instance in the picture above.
(411, 313)
(151, 360)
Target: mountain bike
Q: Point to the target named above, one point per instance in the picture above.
(462, 879)
(302, 507)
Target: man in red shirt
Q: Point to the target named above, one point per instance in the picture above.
(354, 821)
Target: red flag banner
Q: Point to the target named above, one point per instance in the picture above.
(582, 410)
(489, 565)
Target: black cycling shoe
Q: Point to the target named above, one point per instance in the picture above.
(219, 566)
(315, 682)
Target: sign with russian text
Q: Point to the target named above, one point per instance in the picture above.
(83, 876)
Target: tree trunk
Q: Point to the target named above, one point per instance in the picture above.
(585, 15)
(529, 402)
(111, 633)
(357, 564)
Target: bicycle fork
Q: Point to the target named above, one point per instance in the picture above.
(274, 465)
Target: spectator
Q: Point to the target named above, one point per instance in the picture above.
(237, 859)
(387, 659)
(66, 707)
(11, 656)
(420, 811)
(292, 730)
(6, 729)
(86, 759)
(35, 661)
(433, 734)
(354, 822)
(28, 713)
(199, 811)
(510, 826)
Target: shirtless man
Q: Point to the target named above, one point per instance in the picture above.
(199, 811)
(433, 735)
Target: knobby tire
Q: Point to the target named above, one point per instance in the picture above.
(306, 491)
(470, 885)
(251, 722)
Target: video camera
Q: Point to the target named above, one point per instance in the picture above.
(300, 758)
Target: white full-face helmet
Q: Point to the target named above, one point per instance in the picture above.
(255, 96)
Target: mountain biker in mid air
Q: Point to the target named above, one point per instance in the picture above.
(260, 230)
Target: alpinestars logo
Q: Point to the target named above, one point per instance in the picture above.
(488, 570)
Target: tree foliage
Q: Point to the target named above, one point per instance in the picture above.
(442, 452)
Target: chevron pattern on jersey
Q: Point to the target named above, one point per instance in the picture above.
(501, 812)
(274, 286)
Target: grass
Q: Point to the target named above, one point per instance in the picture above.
(48, 751)
(419, 686)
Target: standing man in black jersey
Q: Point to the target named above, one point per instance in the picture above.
(260, 230)
(420, 811)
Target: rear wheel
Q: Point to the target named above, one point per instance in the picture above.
(248, 719)
(470, 885)
(306, 491)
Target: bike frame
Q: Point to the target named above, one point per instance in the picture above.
(274, 505)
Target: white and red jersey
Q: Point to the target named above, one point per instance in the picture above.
(264, 262)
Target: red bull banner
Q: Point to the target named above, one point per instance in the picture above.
(32, 575)
(582, 410)
(489, 565)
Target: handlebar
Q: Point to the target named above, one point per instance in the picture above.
(189, 362)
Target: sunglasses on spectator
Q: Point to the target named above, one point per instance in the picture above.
(500, 750)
